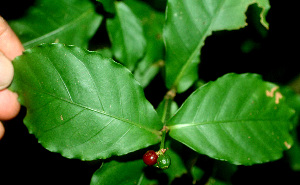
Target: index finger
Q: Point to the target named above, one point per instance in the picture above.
(10, 45)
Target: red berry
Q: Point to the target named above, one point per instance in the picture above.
(150, 157)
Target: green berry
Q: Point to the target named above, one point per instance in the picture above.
(163, 161)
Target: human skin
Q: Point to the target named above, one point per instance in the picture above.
(10, 47)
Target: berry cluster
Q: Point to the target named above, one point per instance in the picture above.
(160, 158)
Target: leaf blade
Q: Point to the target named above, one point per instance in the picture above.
(241, 125)
(188, 24)
(130, 172)
(152, 22)
(126, 35)
(71, 112)
(55, 21)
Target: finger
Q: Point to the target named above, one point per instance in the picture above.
(6, 72)
(10, 107)
(1, 130)
(11, 47)
(10, 44)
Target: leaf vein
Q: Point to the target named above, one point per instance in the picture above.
(100, 112)
(206, 32)
(65, 122)
(182, 125)
(92, 79)
(62, 80)
(90, 138)
(58, 30)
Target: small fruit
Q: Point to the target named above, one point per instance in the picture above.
(150, 157)
(163, 161)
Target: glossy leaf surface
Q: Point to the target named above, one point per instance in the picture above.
(115, 173)
(126, 35)
(83, 105)
(64, 21)
(127, 172)
(152, 22)
(238, 118)
(187, 26)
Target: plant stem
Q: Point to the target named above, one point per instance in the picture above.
(163, 137)
(166, 114)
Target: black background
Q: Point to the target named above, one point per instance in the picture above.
(275, 57)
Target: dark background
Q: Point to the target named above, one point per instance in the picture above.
(273, 54)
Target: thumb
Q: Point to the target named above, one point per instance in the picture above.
(1, 130)
(6, 72)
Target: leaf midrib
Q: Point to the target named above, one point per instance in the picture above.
(195, 52)
(59, 29)
(182, 125)
(156, 132)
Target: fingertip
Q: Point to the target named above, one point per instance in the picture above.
(10, 107)
(10, 44)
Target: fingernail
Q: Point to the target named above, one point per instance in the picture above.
(6, 71)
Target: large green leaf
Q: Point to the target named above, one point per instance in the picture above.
(187, 26)
(125, 173)
(65, 21)
(238, 118)
(126, 34)
(115, 173)
(152, 21)
(82, 104)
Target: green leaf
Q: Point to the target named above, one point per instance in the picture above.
(152, 22)
(127, 172)
(292, 98)
(196, 173)
(108, 5)
(106, 52)
(293, 156)
(83, 105)
(213, 181)
(238, 118)
(146, 71)
(187, 26)
(115, 173)
(126, 35)
(64, 21)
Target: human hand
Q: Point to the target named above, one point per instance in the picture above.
(10, 47)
